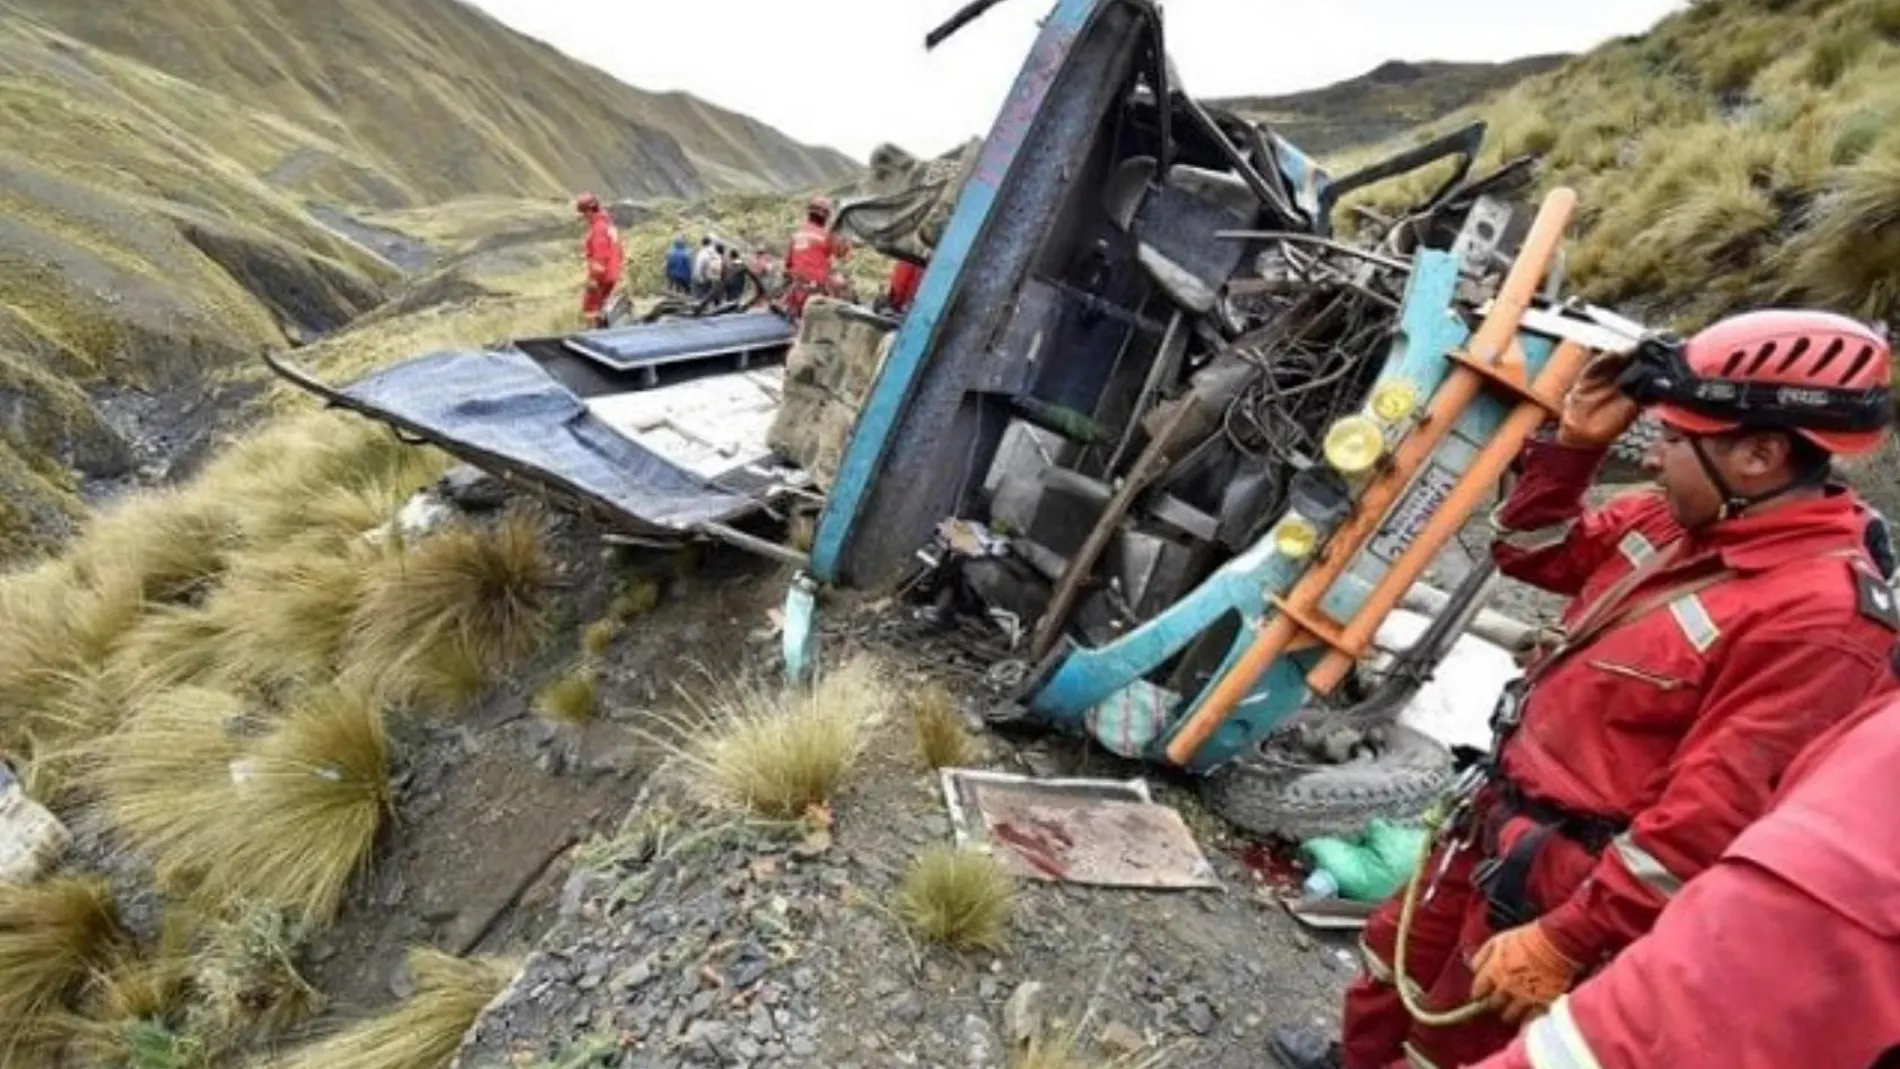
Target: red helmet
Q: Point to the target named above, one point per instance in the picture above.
(586, 204)
(1823, 376)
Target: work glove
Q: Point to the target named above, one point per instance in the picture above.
(1596, 412)
(1521, 972)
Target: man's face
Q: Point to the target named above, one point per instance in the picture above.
(1748, 463)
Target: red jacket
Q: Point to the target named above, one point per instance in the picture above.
(808, 261)
(1680, 720)
(1785, 953)
(601, 248)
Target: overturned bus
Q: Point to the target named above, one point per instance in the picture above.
(1187, 444)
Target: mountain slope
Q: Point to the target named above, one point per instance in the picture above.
(1742, 152)
(1386, 101)
(417, 101)
(167, 170)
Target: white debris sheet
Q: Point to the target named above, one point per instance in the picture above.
(1454, 706)
(712, 427)
(1107, 833)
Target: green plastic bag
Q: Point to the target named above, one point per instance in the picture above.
(1374, 867)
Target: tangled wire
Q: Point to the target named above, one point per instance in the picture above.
(1315, 361)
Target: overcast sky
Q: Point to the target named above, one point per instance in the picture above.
(852, 73)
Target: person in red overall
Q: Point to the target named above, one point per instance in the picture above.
(602, 253)
(808, 262)
(902, 287)
(1784, 953)
(1719, 623)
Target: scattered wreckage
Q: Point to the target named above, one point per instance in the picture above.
(1187, 446)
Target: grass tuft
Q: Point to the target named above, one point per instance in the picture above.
(777, 752)
(464, 598)
(284, 819)
(423, 1032)
(598, 637)
(1061, 1050)
(638, 597)
(938, 723)
(958, 898)
(54, 936)
(174, 543)
(1832, 56)
(572, 699)
(133, 1013)
(283, 615)
(1849, 257)
(245, 980)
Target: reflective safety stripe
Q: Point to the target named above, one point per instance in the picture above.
(1553, 1041)
(1416, 1060)
(1541, 538)
(1636, 549)
(1697, 626)
(1644, 866)
(1375, 968)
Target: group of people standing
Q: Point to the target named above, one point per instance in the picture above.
(717, 272)
(714, 272)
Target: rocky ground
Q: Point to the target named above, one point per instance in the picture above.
(688, 938)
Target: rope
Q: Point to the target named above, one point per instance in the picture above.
(1401, 979)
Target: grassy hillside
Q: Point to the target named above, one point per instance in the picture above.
(1742, 152)
(1385, 102)
(162, 166)
(424, 100)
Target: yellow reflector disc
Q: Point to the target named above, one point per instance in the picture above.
(1295, 538)
(1353, 445)
(1394, 400)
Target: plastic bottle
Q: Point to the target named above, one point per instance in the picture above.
(1320, 885)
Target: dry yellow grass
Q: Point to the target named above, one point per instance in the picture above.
(778, 753)
(1734, 156)
(599, 636)
(1850, 257)
(421, 1033)
(937, 722)
(54, 936)
(571, 699)
(958, 898)
(133, 1012)
(287, 818)
(174, 543)
(282, 616)
(462, 602)
(637, 597)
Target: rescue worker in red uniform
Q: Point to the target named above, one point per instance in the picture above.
(602, 253)
(1719, 623)
(808, 262)
(902, 287)
(1785, 953)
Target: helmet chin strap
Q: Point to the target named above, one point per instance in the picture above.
(1734, 504)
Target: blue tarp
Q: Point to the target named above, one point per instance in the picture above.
(504, 405)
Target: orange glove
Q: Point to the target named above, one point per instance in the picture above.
(1521, 972)
(1596, 413)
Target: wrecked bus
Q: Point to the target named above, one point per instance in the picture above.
(1187, 443)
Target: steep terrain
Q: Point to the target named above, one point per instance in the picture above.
(1741, 152)
(425, 100)
(178, 183)
(1389, 100)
